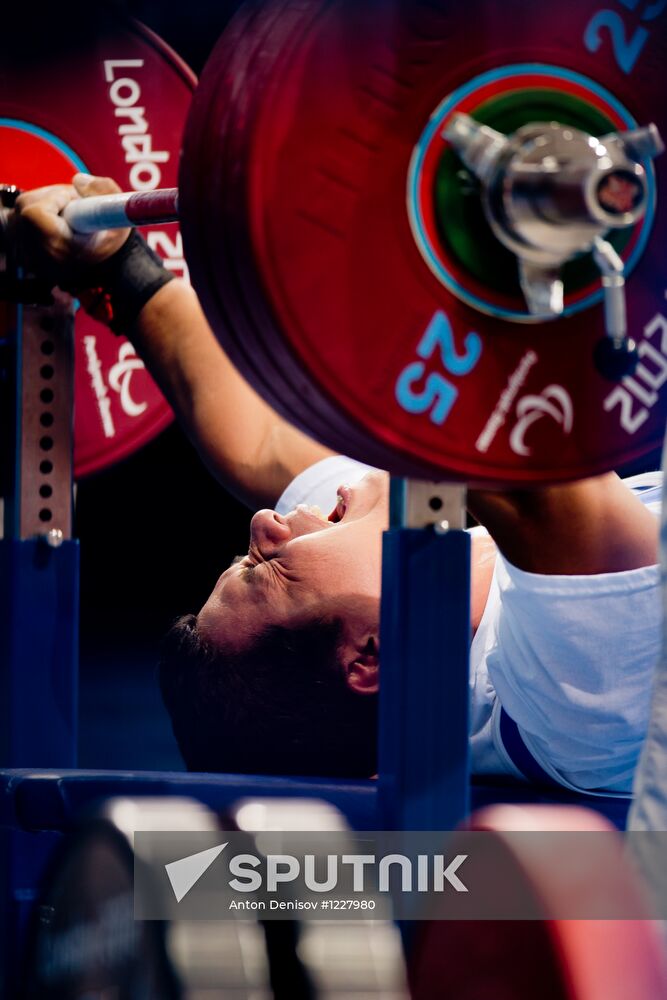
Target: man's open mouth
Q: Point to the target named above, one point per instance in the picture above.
(342, 502)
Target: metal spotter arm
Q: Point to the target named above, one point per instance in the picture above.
(425, 646)
(39, 580)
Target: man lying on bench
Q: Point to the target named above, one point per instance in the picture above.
(279, 671)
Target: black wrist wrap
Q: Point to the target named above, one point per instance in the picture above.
(129, 279)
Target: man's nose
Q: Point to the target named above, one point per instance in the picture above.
(269, 530)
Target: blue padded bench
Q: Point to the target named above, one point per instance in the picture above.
(35, 800)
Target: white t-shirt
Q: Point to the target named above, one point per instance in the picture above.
(570, 658)
(317, 485)
(649, 810)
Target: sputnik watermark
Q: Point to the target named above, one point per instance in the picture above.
(331, 873)
(465, 875)
(251, 873)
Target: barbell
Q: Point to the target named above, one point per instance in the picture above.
(413, 239)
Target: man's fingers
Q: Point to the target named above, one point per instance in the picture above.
(45, 224)
(54, 197)
(88, 186)
(40, 220)
(46, 234)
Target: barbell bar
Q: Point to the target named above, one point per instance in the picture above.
(546, 217)
(115, 211)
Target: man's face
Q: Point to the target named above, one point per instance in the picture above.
(302, 564)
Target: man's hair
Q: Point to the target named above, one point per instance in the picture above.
(281, 706)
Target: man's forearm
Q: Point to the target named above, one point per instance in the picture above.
(245, 444)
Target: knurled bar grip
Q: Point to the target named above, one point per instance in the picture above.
(115, 211)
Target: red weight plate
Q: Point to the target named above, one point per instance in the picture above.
(348, 281)
(308, 408)
(254, 48)
(553, 959)
(272, 35)
(204, 122)
(114, 104)
(229, 85)
(419, 356)
(215, 239)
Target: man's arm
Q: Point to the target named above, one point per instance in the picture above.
(590, 526)
(245, 444)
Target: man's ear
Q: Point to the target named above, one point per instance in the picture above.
(362, 671)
